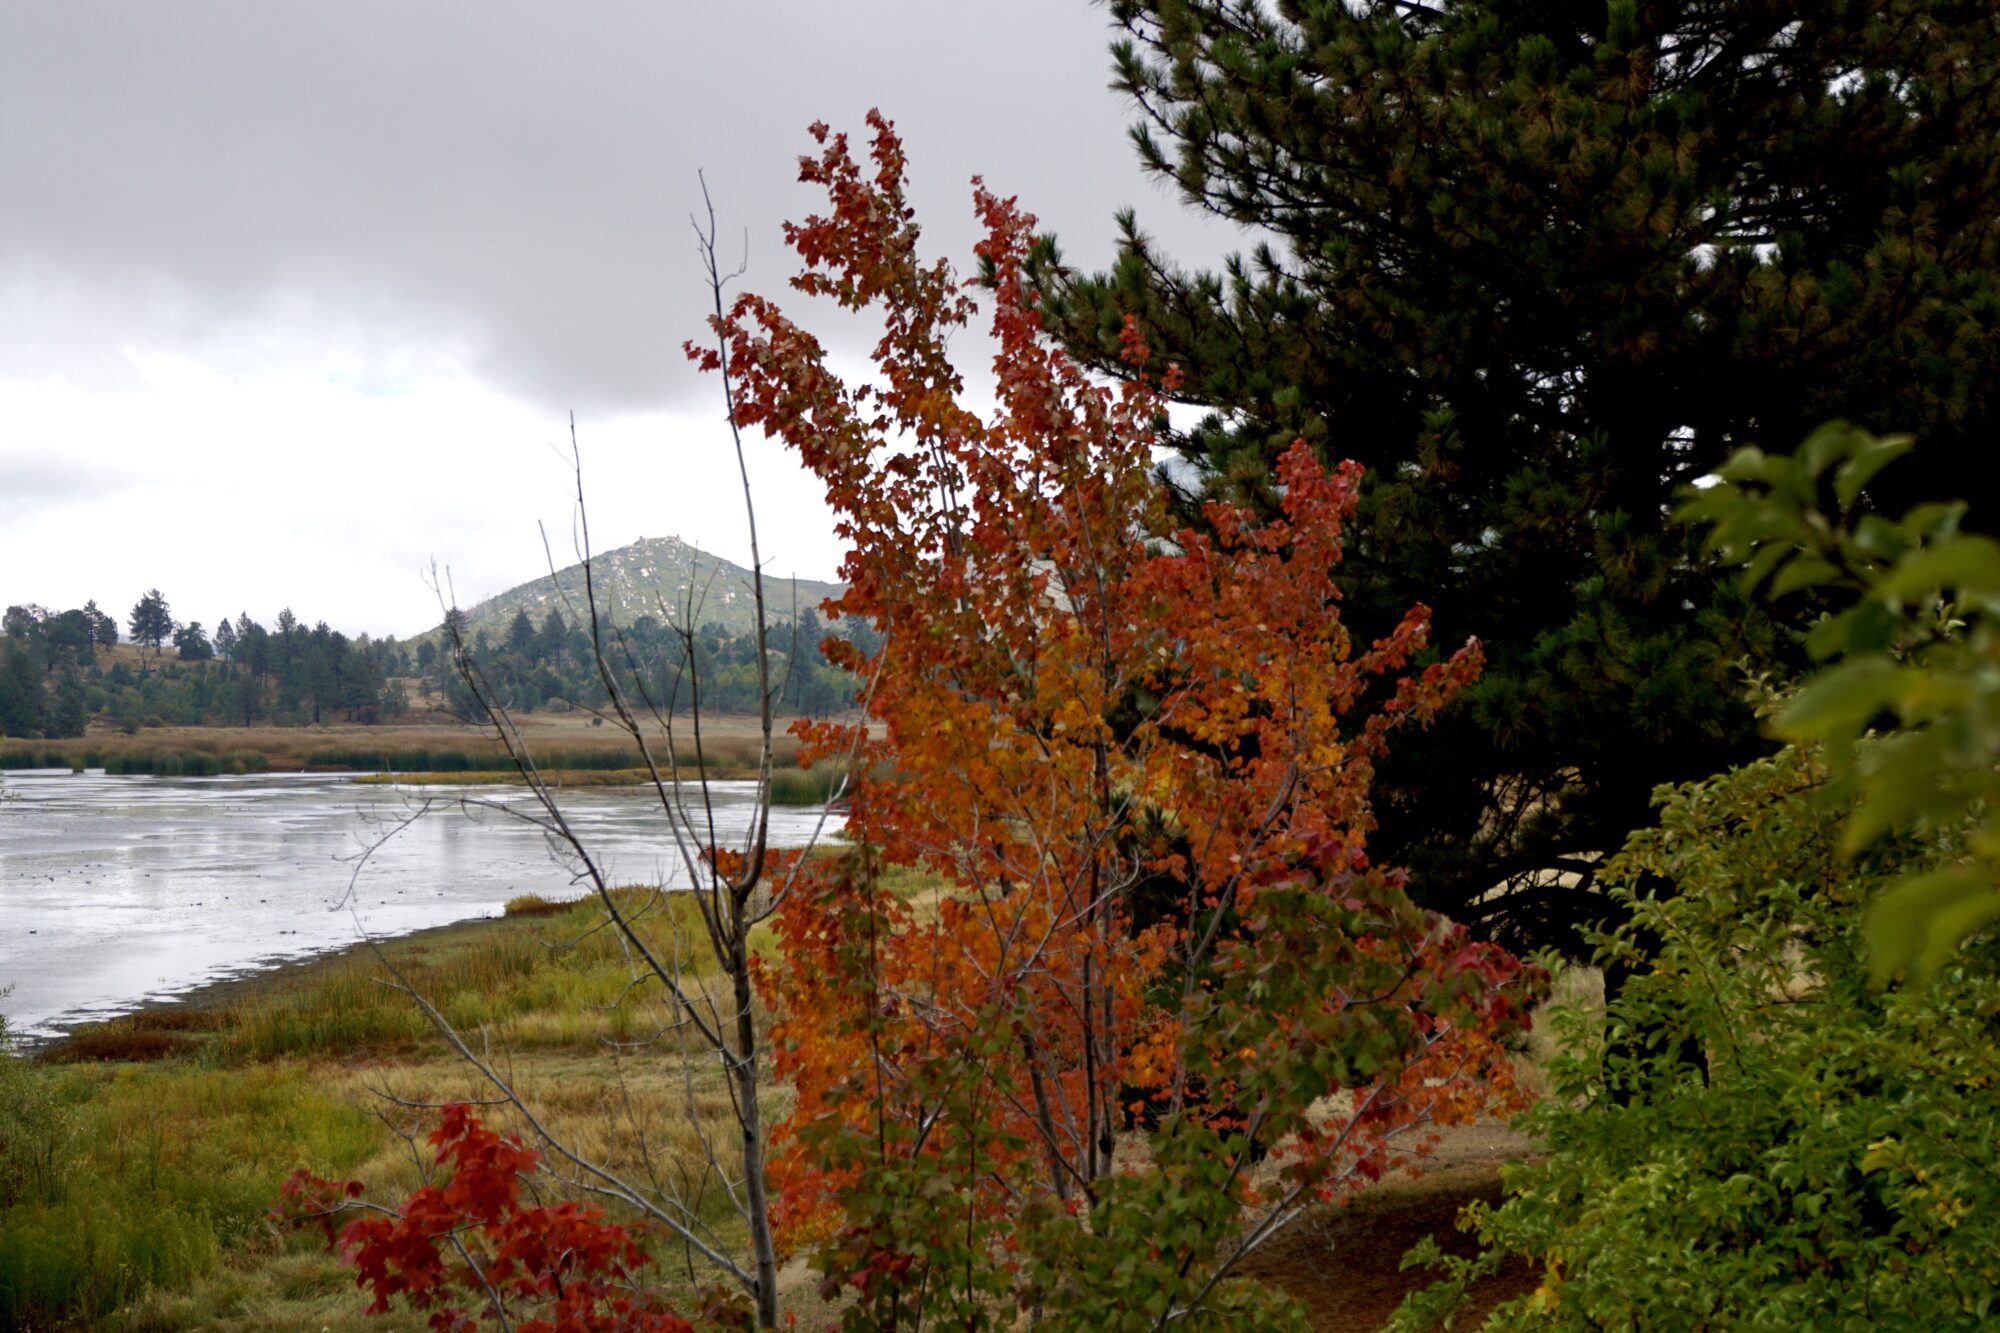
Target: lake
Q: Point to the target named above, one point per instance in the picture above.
(119, 890)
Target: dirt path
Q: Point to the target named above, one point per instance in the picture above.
(1343, 1266)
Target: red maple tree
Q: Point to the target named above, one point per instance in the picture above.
(1137, 761)
(1154, 1000)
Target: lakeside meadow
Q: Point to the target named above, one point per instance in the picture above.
(145, 1153)
(149, 1149)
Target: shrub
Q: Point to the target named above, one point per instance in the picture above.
(1779, 1146)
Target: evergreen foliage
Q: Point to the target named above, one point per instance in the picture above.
(1536, 267)
(52, 681)
(151, 622)
(554, 665)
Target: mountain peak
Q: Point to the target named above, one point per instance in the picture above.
(663, 577)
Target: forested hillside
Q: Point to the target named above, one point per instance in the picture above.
(60, 670)
(530, 665)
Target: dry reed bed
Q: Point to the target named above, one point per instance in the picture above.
(565, 744)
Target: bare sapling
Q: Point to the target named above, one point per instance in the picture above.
(709, 1014)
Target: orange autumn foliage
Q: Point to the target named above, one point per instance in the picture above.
(1140, 758)
(1164, 1002)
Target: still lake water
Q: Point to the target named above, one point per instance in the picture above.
(117, 890)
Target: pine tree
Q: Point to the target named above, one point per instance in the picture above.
(20, 690)
(103, 629)
(1537, 267)
(151, 622)
(520, 634)
(552, 644)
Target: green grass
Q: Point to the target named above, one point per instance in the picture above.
(17, 755)
(178, 763)
(555, 777)
(789, 786)
(733, 754)
(550, 981)
(171, 1165)
(167, 762)
(806, 786)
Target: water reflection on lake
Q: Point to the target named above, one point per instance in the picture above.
(114, 890)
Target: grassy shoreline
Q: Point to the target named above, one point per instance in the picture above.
(172, 1157)
(258, 983)
(176, 1124)
(559, 742)
(789, 785)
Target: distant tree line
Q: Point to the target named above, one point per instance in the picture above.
(56, 674)
(55, 677)
(552, 665)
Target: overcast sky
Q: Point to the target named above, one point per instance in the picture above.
(294, 298)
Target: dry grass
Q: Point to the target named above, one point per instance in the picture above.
(533, 904)
(116, 1042)
(558, 740)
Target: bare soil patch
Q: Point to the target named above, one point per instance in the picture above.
(1343, 1265)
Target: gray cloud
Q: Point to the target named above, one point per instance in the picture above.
(512, 177)
(36, 481)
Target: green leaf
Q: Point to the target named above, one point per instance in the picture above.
(1877, 539)
(1887, 805)
(1840, 699)
(1867, 459)
(1951, 924)
(1806, 570)
(1965, 562)
(1761, 565)
(1829, 442)
(1752, 464)
(1872, 629)
(1879, 1156)
(1915, 923)
(1866, 627)
(1706, 504)
(1933, 521)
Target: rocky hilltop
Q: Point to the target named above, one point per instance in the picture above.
(634, 581)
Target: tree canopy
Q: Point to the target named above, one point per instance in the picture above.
(151, 622)
(1537, 267)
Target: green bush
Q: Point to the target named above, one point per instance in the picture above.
(1750, 1135)
(1908, 630)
